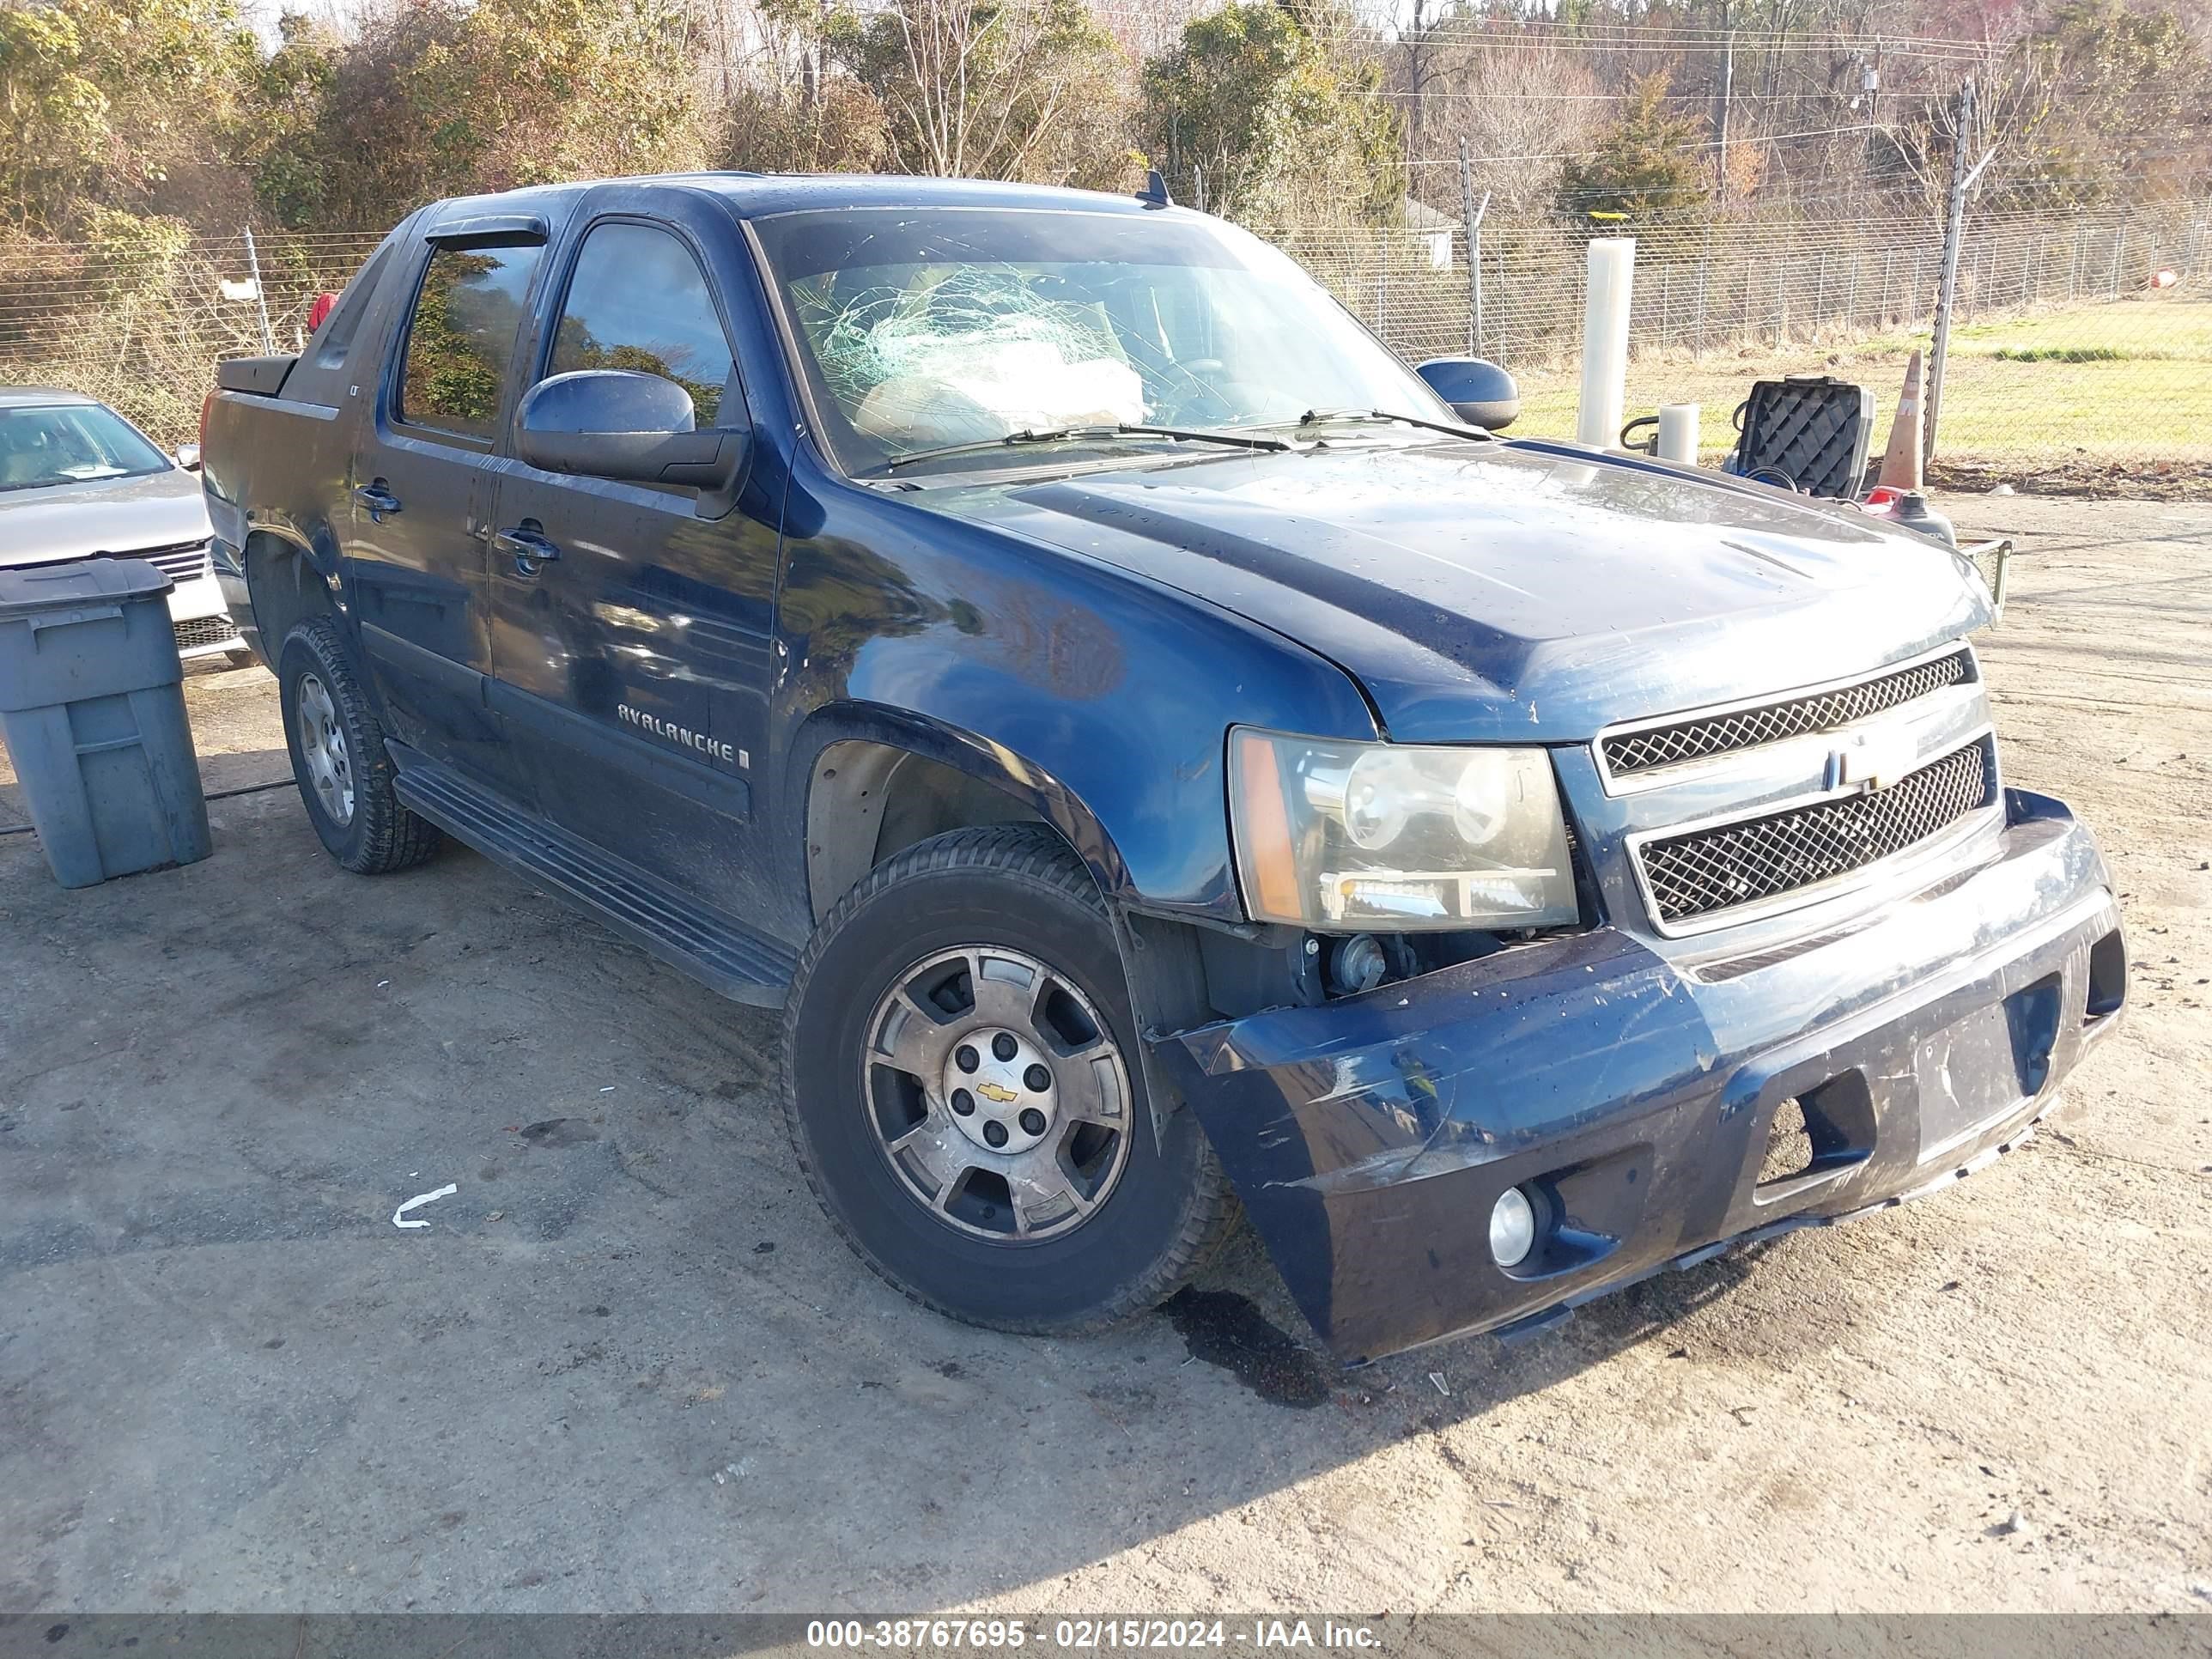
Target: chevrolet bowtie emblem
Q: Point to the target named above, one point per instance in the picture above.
(997, 1091)
(1872, 760)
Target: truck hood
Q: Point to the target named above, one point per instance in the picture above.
(121, 516)
(1481, 590)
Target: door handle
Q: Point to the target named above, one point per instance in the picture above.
(378, 500)
(527, 545)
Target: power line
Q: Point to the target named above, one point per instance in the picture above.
(1617, 38)
(1564, 34)
(1709, 144)
(1481, 95)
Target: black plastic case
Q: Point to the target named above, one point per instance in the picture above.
(1811, 428)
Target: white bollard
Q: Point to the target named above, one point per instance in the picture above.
(1678, 433)
(1605, 341)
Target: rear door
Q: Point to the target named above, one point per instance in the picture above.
(421, 486)
(635, 663)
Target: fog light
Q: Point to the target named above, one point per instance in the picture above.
(1512, 1228)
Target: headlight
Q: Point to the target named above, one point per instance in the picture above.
(1385, 836)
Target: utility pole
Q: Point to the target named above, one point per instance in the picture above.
(1870, 88)
(1954, 233)
(1417, 76)
(1727, 91)
(1473, 216)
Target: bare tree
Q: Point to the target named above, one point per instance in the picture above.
(1148, 29)
(1031, 89)
(1522, 109)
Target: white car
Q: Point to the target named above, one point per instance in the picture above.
(77, 481)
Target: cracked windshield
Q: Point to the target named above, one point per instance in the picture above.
(963, 330)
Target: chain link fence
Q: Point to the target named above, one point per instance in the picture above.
(138, 321)
(2078, 340)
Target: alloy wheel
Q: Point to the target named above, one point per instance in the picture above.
(323, 748)
(997, 1092)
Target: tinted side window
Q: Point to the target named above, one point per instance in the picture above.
(461, 341)
(639, 301)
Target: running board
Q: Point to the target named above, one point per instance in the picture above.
(710, 946)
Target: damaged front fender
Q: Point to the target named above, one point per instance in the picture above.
(1337, 1122)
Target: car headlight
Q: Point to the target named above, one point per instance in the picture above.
(1385, 836)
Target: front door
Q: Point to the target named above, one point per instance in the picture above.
(630, 634)
(422, 487)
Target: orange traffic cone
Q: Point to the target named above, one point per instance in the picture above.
(1900, 462)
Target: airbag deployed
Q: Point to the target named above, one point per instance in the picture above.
(975, 353)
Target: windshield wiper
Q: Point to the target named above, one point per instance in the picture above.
(1330, 417)
(1077, 433)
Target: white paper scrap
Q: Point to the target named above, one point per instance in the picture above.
(445, 1191)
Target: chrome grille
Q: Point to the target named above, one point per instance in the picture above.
(185, 562)
(204, 630)
(1706, 871)
(1749, 728)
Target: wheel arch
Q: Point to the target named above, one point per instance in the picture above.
(868, 782)
(845, 772)
(288, 579)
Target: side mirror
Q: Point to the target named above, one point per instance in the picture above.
(188, 457)
(1480, 392)
(628, 426)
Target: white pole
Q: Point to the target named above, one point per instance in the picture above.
(260, 299)
(1605, 340)
(1678, 433)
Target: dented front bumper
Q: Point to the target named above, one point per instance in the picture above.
(1632, 1093)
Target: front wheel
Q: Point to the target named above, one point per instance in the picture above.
(965, 1096)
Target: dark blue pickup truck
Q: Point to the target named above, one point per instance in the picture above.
(1154, 747)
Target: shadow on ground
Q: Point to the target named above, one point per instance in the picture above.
(626, 1365)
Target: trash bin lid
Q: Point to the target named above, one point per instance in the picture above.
(82, 582)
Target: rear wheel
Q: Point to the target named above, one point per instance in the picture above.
(338, 756)
(965, 1095)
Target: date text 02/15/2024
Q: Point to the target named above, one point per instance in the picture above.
(1089, 1634)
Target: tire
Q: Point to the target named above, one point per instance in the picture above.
(338, 758)
(1156, 1203)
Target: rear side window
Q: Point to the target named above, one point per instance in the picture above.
(461, 341)
(639, 301)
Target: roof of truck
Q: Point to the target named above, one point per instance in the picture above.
(757, 194)
(763, 192)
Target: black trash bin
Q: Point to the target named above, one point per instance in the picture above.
(92, 707)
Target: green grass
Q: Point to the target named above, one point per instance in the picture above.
(2181, 327)
(2071, 355)
(2129, 382)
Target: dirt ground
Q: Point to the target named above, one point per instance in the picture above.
(627, 1366)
